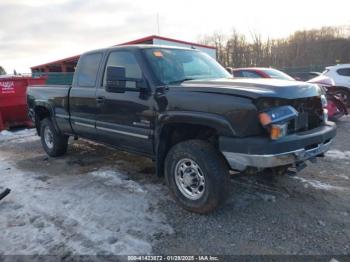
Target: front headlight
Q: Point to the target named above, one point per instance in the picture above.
(275, 120)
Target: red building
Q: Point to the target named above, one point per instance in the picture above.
(68, 64)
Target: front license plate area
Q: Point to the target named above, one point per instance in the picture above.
(302, 122)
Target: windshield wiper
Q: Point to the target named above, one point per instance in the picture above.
(180, 80)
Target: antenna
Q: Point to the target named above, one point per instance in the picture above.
(158, 23)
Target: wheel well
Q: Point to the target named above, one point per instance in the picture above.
(172, 134)
(41, 112)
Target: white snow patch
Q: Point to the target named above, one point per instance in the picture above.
(337, 154)
(113, 178)
(343, 176)
(101, 212)
(6, 135)
(81, 214)
(317, 184)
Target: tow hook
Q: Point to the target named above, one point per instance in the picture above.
(297, 168)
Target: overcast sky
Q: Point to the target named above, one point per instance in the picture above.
(33, 32)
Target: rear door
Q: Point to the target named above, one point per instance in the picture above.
(82, 99)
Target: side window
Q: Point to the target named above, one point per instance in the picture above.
(250, 74)
(128, 61)
(344, 71)
(88, 68)
(237, 74)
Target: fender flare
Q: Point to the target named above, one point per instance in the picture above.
(48, 106)
(217, 122)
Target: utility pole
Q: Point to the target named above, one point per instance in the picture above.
(158, 24)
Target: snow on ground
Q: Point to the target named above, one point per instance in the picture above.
(342, 176)
(100, 212)
(6, 135)
(317, 184)
(337, 154)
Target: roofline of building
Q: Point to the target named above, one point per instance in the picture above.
(147, 38)
(133, 42)
(67, 59)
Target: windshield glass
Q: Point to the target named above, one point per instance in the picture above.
(273, 73)
(173, 66)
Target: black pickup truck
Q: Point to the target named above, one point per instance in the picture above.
(182, 109)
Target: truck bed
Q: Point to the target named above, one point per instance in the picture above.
(55, 97)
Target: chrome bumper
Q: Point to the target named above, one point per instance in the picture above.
(239, 161)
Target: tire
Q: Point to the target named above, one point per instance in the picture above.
(53, 142)
(197, 163)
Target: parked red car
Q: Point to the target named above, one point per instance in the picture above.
(259, 72)
(336, 108)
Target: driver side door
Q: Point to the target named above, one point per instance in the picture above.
(125, 119)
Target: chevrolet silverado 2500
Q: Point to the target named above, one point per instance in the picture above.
(182, 109)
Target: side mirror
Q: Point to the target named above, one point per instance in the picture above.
(116, 79)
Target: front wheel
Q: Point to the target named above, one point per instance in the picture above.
(197, 176)
(54, 143)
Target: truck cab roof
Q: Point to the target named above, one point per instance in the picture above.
(141, 46)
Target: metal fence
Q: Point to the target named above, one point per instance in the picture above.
(58, 78)
(311, 68)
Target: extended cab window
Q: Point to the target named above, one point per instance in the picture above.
(128, 61)
(88, 68)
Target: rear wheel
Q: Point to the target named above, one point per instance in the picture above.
(54, 143)
(197, 176)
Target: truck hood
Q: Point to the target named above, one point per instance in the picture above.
(254, 88)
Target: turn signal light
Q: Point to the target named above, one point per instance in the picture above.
(278, 131)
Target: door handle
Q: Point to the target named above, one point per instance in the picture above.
(100, 100)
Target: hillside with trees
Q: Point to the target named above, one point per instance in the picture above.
(309, 49)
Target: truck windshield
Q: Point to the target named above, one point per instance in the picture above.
(173, 66)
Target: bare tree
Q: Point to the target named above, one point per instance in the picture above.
(307, 48)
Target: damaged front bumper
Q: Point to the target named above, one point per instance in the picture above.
(258, 152)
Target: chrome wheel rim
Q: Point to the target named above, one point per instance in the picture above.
(48, 137)
(189, 179)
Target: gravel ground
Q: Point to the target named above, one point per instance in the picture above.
(96, 200)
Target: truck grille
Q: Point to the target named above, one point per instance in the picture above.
(310, 112)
